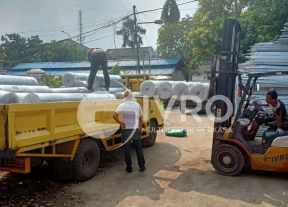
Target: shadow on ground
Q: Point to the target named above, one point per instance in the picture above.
(116, 185)
(252, 187)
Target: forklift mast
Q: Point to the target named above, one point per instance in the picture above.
(228, 72)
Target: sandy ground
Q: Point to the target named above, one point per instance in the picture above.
(178, 173)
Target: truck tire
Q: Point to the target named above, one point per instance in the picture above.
(228, 160)
(86, 160)
(150, 141)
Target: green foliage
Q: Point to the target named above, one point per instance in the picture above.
(112, 57)
(52, 81)
(115, 70)
(128, 33)
(170, 12)
(173, 41)
(263, 22)
(16, 49)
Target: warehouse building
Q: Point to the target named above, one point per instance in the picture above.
(155, 67)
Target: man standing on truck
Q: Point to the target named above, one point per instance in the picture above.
(97, 57)
(131, 128)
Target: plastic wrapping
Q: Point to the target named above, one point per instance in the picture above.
(199, 90)
(165, 89)
(7, 97)
(52, 97)
(149, 88)
(99, 96)
(26, 89)
(70, 90)
(116, 81)
(69, 79)
(18, 80)
(181, 90)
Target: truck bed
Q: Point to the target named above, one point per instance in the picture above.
(24, 127)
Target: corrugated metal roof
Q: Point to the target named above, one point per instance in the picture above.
(159, 62)
(162, 71)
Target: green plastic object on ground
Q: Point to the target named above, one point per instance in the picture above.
(176, 132)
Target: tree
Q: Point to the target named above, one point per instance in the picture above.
(115, 70)
(263, 22)
(170, 12)
(128, 33)
(16, 49)
(51, 81)
(173, 42)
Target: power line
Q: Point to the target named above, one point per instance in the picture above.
(145, 32)
(61, 27)
(105, 26)
(123, 5)
(100, 38)
(89, 7)
(126, 17)
(151, 10)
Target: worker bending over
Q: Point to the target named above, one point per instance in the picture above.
(131, 128)
(97, 57)
(279, 114)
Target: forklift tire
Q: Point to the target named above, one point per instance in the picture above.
(86, 161)
(228, 160)
(150, 141)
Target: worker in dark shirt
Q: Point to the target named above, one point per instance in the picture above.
(279, 114)
(97, 57)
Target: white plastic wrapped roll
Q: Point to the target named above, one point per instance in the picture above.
(149, 88)
(69, 79)
(199, 90)
(26, 89)
(99, 96)
(181, 90)
(80, 84)
(70, 90)
(7, 97)
(52, 97)
(119, 95)
(115, 81)
(18, 80)
(116, 90)
(21, 96)
(165, 89)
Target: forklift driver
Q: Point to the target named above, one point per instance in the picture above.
(279, 114)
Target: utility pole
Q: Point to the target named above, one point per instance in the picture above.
(80, 37)
(236, 9)
(136, 39)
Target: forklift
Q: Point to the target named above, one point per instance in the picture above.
(231, 151)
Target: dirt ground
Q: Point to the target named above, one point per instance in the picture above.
(178, 173)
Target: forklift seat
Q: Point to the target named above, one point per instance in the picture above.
(280, 142)
(269, 136)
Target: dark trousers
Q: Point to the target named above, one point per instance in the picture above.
(94, 69)
(135, 136)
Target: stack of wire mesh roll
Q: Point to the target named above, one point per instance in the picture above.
(17, 89)
(180, 90)
(269, 57)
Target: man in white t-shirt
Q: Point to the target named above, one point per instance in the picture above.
(131, 128)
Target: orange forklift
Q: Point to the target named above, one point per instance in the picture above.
(231, 151)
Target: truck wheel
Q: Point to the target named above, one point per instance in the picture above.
(228, 160)
(86, 160)
(150, 141)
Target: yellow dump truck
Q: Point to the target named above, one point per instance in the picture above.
(68, 135)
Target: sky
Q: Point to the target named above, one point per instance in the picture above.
(48, 18)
